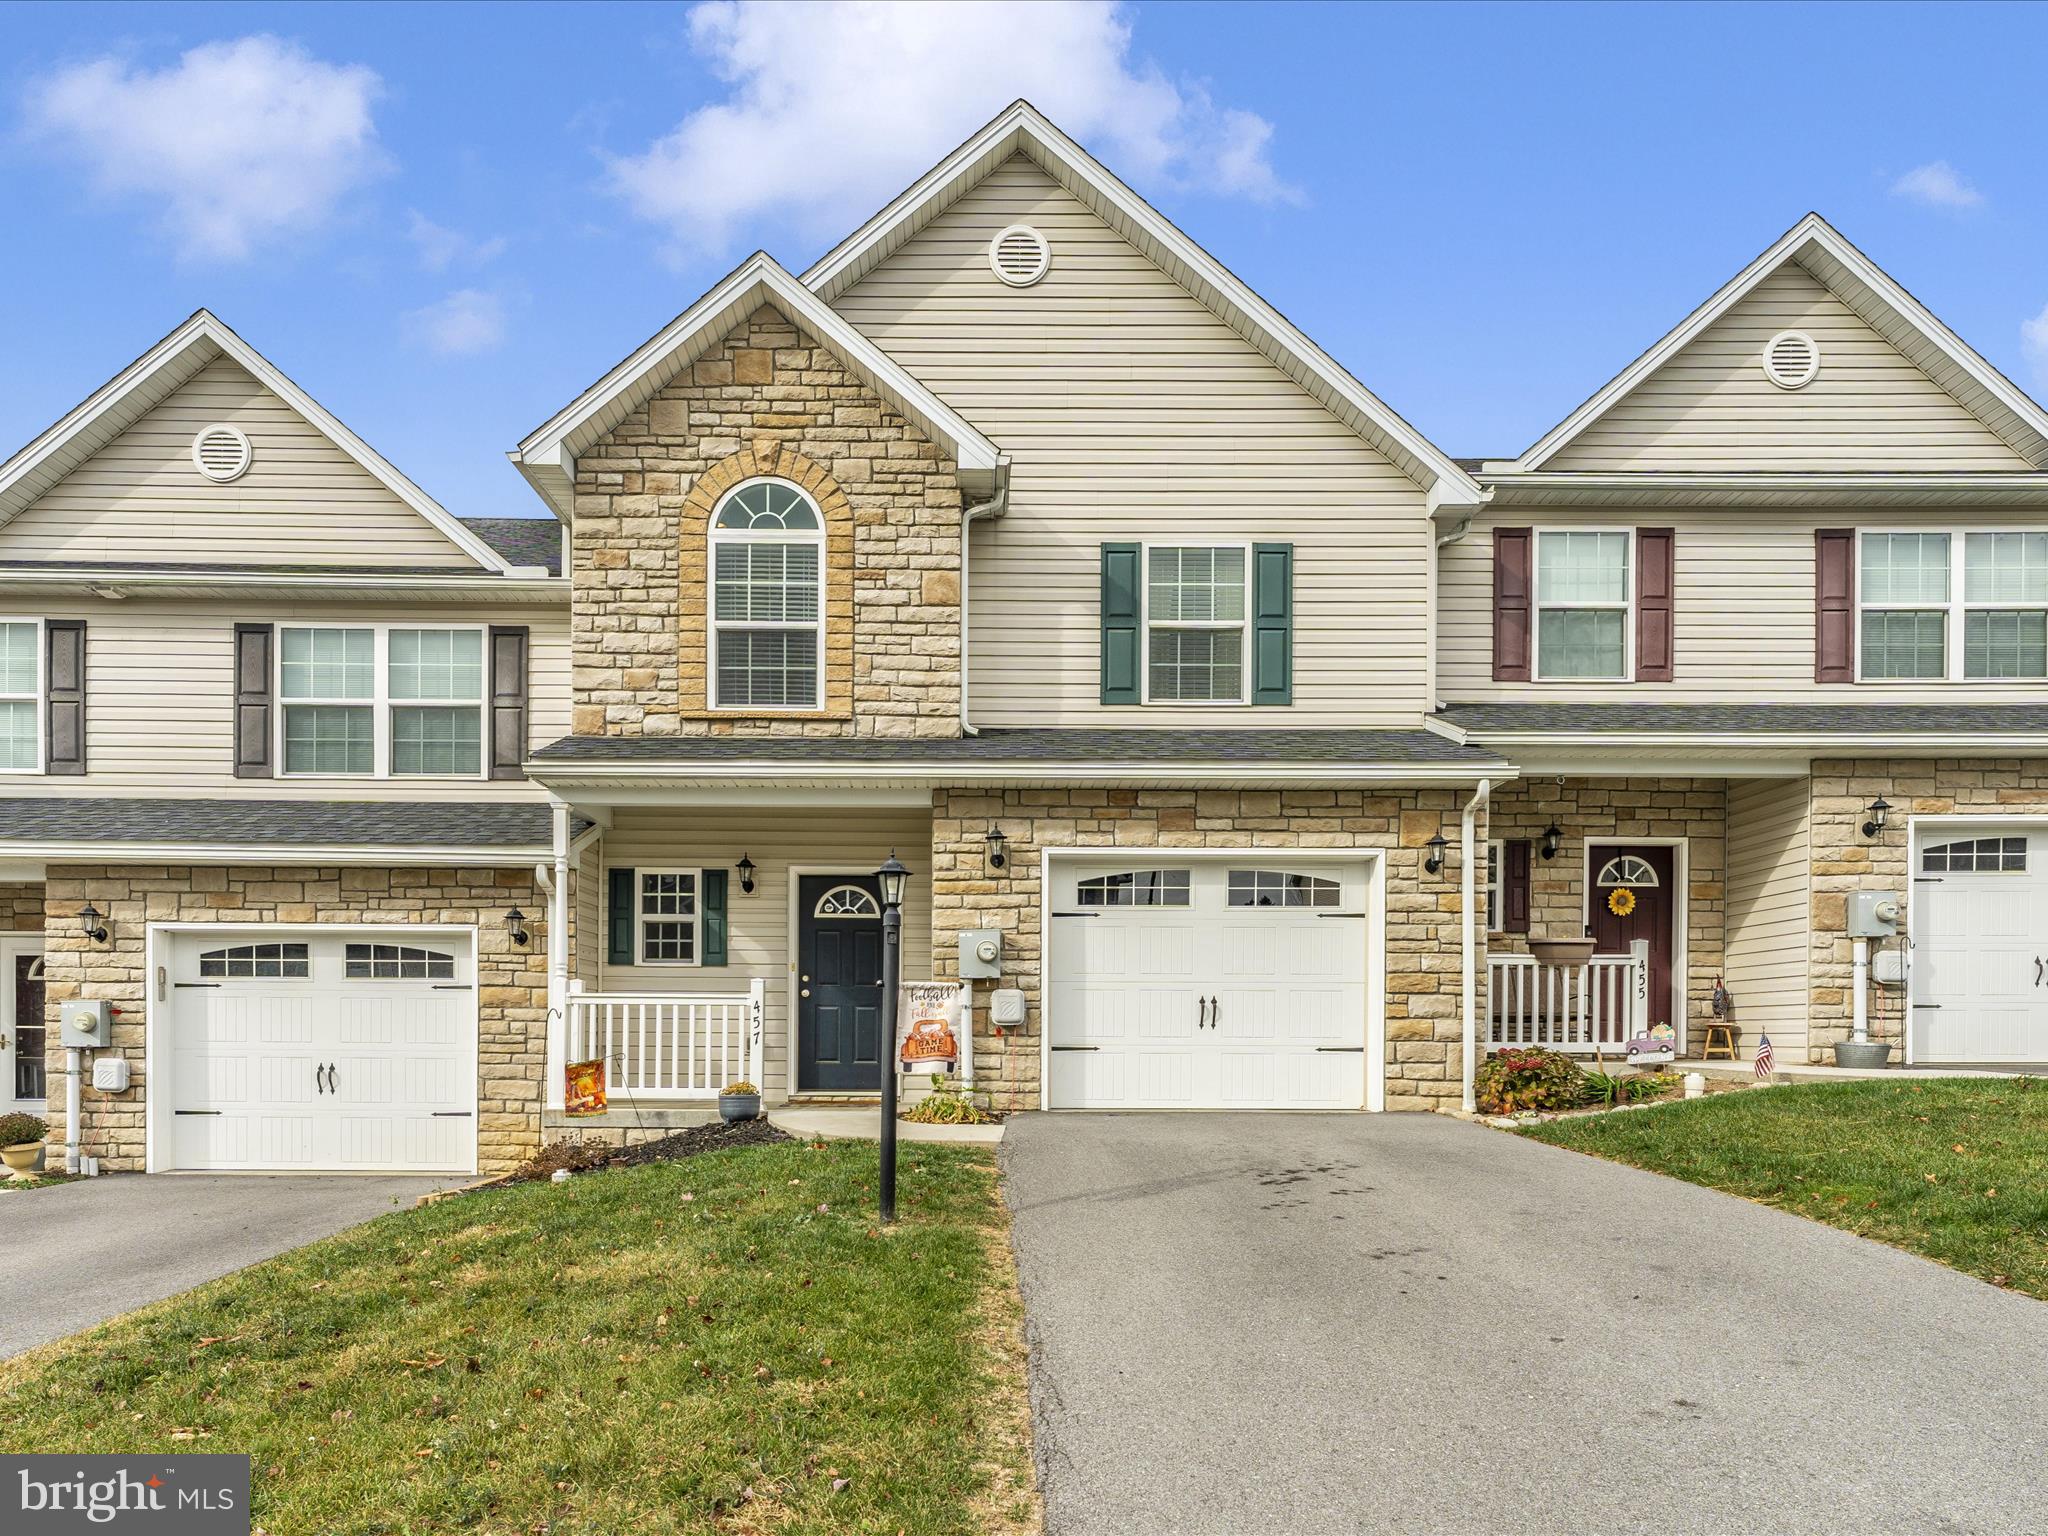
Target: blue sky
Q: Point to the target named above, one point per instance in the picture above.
(444, 222)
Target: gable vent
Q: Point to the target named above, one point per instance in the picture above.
(221, 452)
(1791, 359)
(1019, 255)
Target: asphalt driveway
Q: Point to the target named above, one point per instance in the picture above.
(1296, 1324)
(77, 1254)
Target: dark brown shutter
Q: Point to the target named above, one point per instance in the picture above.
(1511, 604)
(1653, 605)
(508, 702)
(64, 667)
(1834, 605)
(253, 644)
(1514, 887)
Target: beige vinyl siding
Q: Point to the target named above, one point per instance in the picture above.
(1742, 614)
(1712, 408)
(1131, 412)
(303, 500)
(1769, 863)
(159, 709)
(759, 940)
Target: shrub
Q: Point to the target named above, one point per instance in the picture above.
(946, 1105)
(21, 1130)
(1628, 1087)
(1527, 1077)
(739, 1087)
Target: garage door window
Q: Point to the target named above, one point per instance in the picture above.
(250, 961)
(1136, 888)
(1976, 856)
(396, 962)
(1276, 888)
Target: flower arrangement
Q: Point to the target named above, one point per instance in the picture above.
(1527, 1077)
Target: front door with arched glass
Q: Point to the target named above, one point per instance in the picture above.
(839, 984)
(1631, 898)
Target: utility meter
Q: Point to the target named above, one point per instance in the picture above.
(1873, 915)
(981, 954)
(86, 1022)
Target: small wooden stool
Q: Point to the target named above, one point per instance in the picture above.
(1721, 1038)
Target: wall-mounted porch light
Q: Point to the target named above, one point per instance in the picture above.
(1551, 834)
(515, 923)
(89, 923)
(1436, 846)
(998, 848)
(746, 869)
(1879, 810)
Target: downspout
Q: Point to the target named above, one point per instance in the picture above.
(995, 506)
(555, 883)
(1468, 949)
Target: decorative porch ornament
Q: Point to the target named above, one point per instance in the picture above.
(1621, 901)
(933, 1013)
(583, 1087)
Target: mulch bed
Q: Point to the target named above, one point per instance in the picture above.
(584, 1156)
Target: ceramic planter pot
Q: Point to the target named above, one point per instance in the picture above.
(739, 1106)
(1862, 1055)
(21, 1161)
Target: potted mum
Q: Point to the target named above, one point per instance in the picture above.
(739, 1101)
(21, 1144)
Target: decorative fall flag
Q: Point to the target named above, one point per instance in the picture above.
(1766, 1063)
(584, 1088)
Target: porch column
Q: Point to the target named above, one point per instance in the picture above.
(558, 959)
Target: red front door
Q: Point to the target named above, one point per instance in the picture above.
(1645, 872)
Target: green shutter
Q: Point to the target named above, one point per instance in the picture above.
(713, 906)
(1120, 577)
(1272, 623)
(620, 950)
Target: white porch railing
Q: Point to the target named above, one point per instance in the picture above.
(669, 1045)
(1603, 1003)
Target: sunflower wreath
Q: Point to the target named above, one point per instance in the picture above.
(1621, 901)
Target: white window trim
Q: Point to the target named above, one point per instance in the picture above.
(1954, 612)
(1242, 626)
(640, 918)
(1627, 606)
(715, 536)
(381, 704)
(40, 699)
(1496, 884)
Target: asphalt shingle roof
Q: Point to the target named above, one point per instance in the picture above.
(1082, 746)
(522, 540)
(1959, 720)
(311, 823)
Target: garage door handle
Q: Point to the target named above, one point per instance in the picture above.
(318, 1085)
(330, 1078)
(2037, 970)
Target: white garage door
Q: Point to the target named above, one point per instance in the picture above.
(1207, 984)
(294, 1049)
(1980, 955)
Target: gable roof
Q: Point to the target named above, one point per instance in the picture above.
(1880, 301)
(547, 456)
(1022, 129)
(145, 383)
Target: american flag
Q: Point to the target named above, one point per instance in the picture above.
(1766, 1063)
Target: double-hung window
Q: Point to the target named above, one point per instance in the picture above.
(665, 914)
(767, 599)
(1583, 615)
(1195, 617)
(375, 701)
(1496, 869)
(1927, 615)
(21, 696)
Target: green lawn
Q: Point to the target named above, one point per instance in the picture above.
(703, 1346)
(1955, 1168)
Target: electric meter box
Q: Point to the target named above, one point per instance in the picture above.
(1873, 915)
(981, 954)
(87, 1023)
(1006, 1007)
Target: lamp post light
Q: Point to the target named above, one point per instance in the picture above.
(892, 877)
(1436, 846)
(1880, 812)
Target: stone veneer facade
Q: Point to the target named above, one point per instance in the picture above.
(771, 401)
(511, 981)
(1422, 945)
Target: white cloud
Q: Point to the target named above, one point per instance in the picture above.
(240, 142)
(834, 109)
(2034, 344)
(1938, 185)
(441, 248)
(466, 322)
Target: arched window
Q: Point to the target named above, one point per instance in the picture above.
(767, 598)
(847, 901)
(1626, 869)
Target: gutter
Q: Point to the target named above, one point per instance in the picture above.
(995, 506)
(1468, 1002)
(553, 774)
(271, 853)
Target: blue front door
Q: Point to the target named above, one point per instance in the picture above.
(839, 984)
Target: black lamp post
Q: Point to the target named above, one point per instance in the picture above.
(892, 877)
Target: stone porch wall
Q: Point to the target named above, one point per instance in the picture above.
(21, 907)
(1694, 809)
(1422, 979)
(769, 400)
(512, 982)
